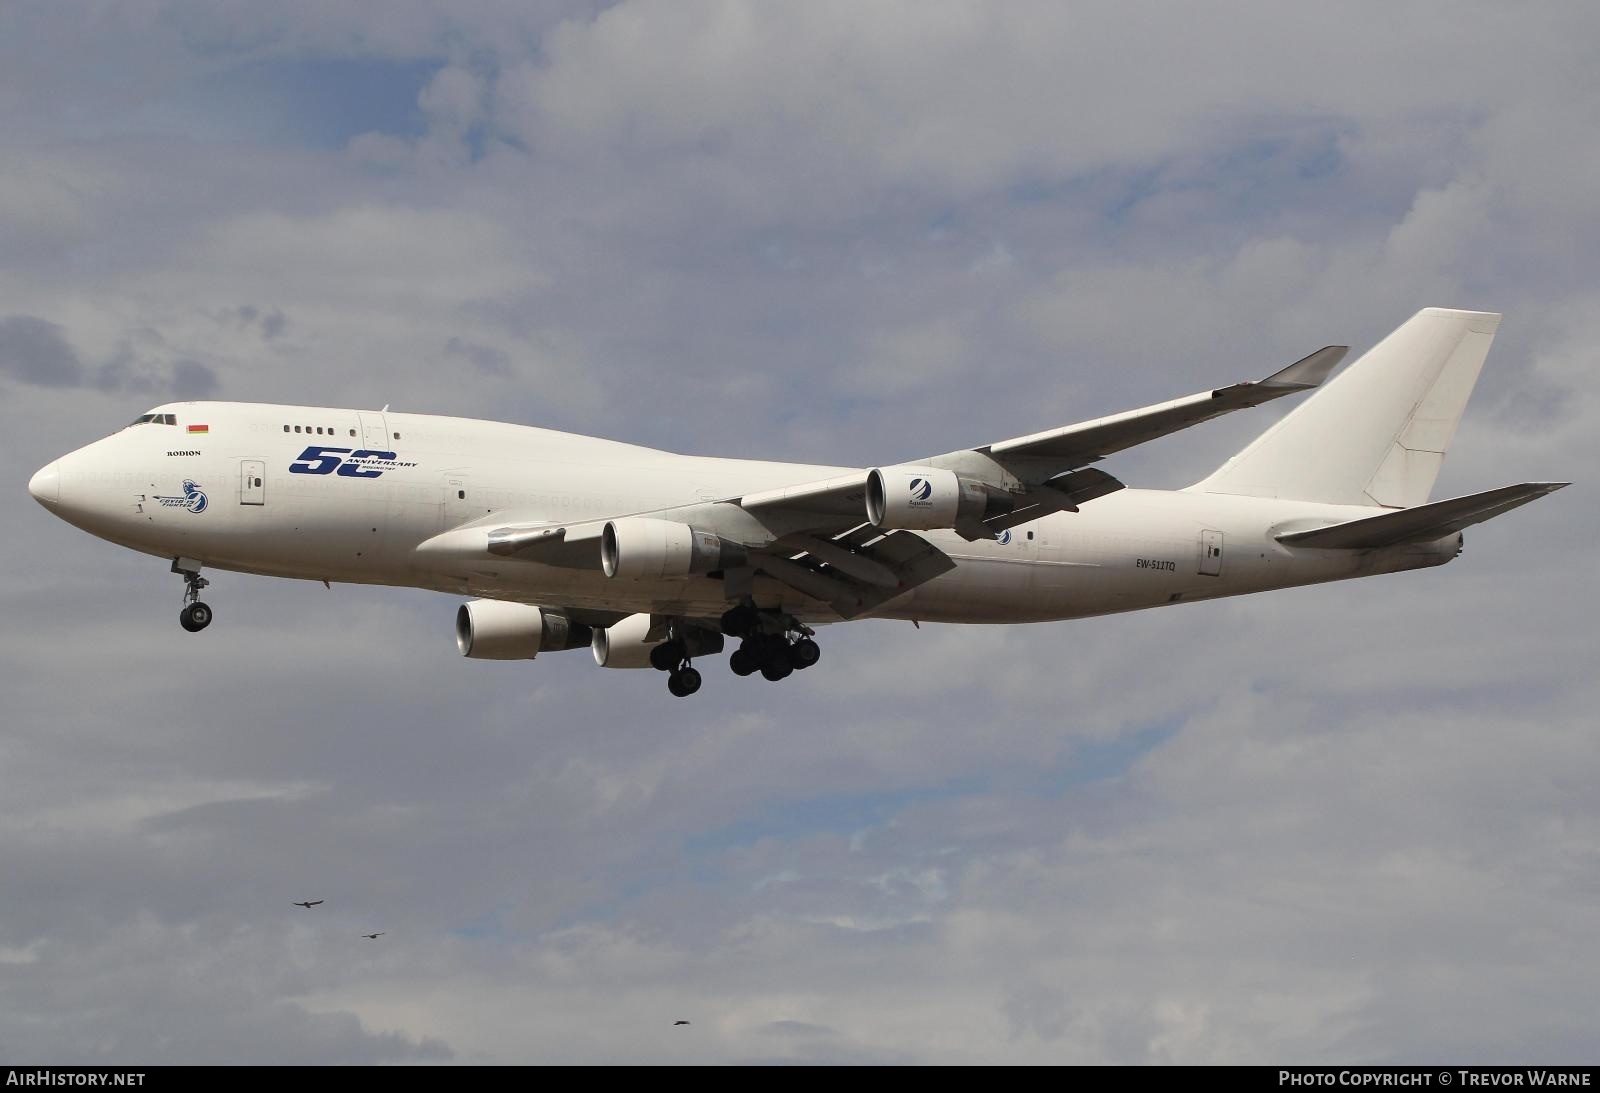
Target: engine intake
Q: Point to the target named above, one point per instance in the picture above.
(499, 630)
(923, 498)
(644, 548)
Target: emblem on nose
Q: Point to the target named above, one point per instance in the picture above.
(45, 486)
(193, 499)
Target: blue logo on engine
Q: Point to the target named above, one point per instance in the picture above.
(1004, 537)
(921, 489)
(193, 499)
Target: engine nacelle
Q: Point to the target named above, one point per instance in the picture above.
(500, 630)
(627, 644)
(624, 644)
(640, 547)
(922, 498)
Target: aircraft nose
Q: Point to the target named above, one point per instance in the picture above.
(46, 485)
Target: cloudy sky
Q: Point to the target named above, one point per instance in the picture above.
(1349, 823)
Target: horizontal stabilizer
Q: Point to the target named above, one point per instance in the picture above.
(1423, 523)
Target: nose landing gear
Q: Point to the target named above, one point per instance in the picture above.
(195, 616)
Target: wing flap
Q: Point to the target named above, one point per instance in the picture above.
(1423, 523)
(1063, 493)
(859, 565)
(906, 559)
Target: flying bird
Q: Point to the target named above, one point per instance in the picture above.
(309, 903)
(374, 937)
(676, 1023)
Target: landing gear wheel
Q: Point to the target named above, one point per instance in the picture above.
(195, 615)
(740, 622)
(667, 656)
(683, 682)
(195, 618)
(776, 670)
(743, 662)
(804, 653)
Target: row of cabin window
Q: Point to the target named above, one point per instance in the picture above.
(318, 430)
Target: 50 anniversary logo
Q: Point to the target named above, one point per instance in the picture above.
(346, 462)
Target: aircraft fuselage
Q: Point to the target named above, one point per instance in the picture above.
(350, 496)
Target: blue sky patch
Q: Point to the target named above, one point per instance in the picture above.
(839, 814)
(321, 103)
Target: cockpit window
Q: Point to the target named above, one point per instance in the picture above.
(154, 419)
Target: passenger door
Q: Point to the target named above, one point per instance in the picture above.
(1211, 554)
(252, 482)
(459, 504)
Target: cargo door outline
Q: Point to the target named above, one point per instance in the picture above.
(1211, 554)
(252, 482)
(374, 431)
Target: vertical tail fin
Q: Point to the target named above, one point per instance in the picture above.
(1377, 433)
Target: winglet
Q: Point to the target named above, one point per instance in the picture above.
(1308, 371)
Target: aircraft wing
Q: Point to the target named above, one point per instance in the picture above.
(841, 561)
(1076, 445)
(1047, 472)
(814, 536)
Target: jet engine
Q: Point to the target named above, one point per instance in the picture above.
(640, 547)
(627, 644)
(923, 498)
(500, 630)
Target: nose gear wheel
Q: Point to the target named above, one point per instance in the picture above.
(195, 616)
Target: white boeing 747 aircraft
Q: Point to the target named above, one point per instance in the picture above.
(650, 558)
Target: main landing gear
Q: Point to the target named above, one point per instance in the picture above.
(195, 616)
(672, 657)
(774, 644)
